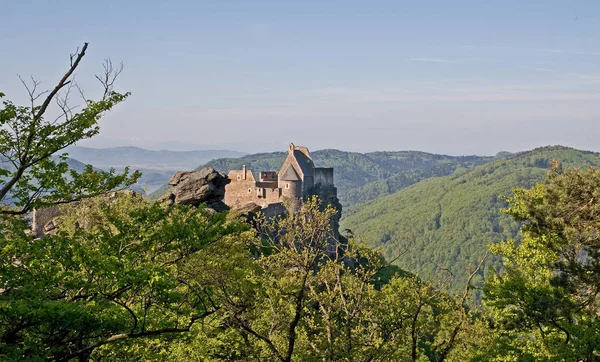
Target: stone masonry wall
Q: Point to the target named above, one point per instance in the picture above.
(237, 194)
(324, 176)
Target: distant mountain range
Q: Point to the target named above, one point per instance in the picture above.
(156, 166)
(136, 157)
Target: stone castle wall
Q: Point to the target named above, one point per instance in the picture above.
(324, 176)
(297, 179)
(269, 196)
(240, 192)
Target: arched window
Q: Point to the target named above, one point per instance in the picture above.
(249, 190)
(287, 186)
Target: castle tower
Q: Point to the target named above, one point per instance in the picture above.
(290, 184)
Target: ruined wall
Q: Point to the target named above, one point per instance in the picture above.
(239, 193)
(324, 176)
(273, 210)
(307, 184)
(46, 219)
(291, 193)
(270, 196)
(268, 176)
(242, 188)
(327, 194)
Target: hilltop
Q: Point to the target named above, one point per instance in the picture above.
(446, 223)
(360, 176)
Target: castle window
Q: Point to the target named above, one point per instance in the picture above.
(287, 186)
(239, 177)
(249, 190)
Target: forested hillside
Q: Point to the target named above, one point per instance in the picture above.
(444, 224)
(361, 177)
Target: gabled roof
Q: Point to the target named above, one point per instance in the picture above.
(306, 164)
(299, 158)
(289, 174)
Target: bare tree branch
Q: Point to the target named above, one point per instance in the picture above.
(110, 75)
(63, 81)
(24, 161)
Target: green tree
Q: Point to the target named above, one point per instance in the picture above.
(125, 275)
(294, 293)
(117, 268)
(544, 306)
(32, 172)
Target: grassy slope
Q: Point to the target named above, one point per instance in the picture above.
(446, 222)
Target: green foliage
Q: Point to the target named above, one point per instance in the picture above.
(544, 304)
(117, 268)
(295, 294)
(446, 223)
(120, 278)
(29, 174)
(127, 274)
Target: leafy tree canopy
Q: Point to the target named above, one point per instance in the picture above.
(545, 304)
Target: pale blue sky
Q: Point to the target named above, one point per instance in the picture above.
(457, 77)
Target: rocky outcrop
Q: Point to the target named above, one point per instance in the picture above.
(46, 220)
(206, 186)
(248, 208)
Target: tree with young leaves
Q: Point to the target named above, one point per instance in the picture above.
(544, 305)
(116, 269)
(33, 172)
(294, 293)
(127, 275)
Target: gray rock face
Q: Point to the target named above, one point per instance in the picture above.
(248, 208)
(328, 196)
(197, 187)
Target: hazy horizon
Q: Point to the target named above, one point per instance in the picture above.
(458, 78)
(189, 147)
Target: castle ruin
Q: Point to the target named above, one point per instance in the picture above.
(297, 179)
(274, 193)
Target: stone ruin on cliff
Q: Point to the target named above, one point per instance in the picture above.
(273, 194)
